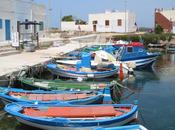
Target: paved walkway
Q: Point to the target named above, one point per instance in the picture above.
(9, 64)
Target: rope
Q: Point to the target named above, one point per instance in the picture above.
(2, 113)
(115, 83)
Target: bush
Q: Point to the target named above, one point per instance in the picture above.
(158, 29)
(147, 38)
(68, 18)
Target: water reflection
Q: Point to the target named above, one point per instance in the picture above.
(140, 79)
(155, 94)
(7, 122)
(133, 86)
(2, 114)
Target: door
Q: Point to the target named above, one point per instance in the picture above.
(94, 28)
(7, 30)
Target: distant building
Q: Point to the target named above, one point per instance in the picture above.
(166, 19)
(113, 21)
(12, 11)
(110, 21)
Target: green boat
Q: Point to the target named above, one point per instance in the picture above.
(60, 84)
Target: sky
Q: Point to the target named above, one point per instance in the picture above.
(144, 9)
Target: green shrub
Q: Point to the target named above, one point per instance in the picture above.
(68, 18)
(158, 29)
(145, 38)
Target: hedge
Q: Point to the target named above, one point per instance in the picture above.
(145, 38)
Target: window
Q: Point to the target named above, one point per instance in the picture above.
(130, 49)
(107, 22)
(41, 27)
(0, 23)
(119, 23)
(26, 25)
(141, 50)
(94, 22)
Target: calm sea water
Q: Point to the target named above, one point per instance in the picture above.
(154, 93)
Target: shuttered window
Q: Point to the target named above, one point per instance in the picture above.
(94, 22)
(0, 23)
(41, 27)
(107, 22)
(119, 23)
(130, 49)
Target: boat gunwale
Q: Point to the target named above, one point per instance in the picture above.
(56, 121)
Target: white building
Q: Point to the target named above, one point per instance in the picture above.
(72, 26)
(114, 21)
(173, 28)
(110, 21)
(12, 11)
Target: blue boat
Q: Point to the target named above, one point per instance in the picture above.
(71, 72)
(82, 69)
(128, 127)
(136, 54)
(55, 96)
(72, 117)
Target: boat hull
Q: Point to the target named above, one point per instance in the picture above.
(61, 85)
(68, 123)
(47, 127)
(77, 74)
(84, 76)
(127, 127)
(142, 63)
(95, 99)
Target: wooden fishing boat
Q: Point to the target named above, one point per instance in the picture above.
(60, 84)
(54, 96)
(72, 72)
(83, 69)
(128, 127)
(135, 53)
(72, 117)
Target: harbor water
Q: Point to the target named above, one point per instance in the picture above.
(153, 92)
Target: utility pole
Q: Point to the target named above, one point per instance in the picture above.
(49, 14)
(31, 15)
(60, 18)
(125, 14)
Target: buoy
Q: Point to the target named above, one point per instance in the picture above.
(121, 75)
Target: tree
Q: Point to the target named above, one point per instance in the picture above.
(80, 21)
(68, 18)
(158, 29)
